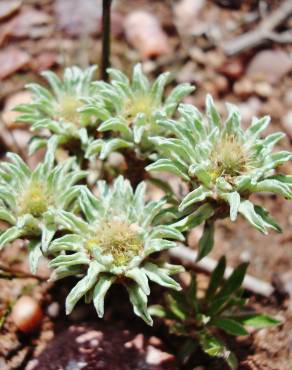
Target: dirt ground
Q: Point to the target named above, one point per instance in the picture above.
(198, 41)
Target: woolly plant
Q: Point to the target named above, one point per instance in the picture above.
(61, 109)
(109, 234)
(113, 243)
(30, 199)
(134, 109)
(223, 166)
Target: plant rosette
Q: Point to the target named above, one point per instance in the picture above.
(30, 199)
(223, 165)
(60, 109)
(134, 109)
(113, 244)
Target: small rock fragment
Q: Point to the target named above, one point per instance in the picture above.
(92, 334)
(53, 309)
(27, 314)
(269, 65)
(144, 33)
(287, 123)
(156, 357)
(186, 14)
(78, 17)
(9, 116)
(8, 7)
(11, 60)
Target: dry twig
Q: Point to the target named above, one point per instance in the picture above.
(188, 256)
(263, 32)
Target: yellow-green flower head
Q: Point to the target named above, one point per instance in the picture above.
(29, 199)
(113, 244)
(60, 108)
(135, 107)
(223, 164)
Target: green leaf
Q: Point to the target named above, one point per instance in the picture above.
(187, 349)
(257, 321)
(216, 278)
(214, 347)
(158, 311)
(268, 220)
(206, 242)
(229, 326)
(234, 282)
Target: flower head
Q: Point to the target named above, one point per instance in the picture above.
(223, 164)
(60, 109)
(28, 199)
(135, 107)
(113, 245)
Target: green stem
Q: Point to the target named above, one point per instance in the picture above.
(106, 36)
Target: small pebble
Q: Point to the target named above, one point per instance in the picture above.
(27, 314)
(53, 309)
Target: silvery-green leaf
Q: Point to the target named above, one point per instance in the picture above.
(157, 245)
(167, 232)
(94, 148)
(158, 86)
(246, 208)
(116, 124)
(201, 172)
(212, 113)
(83, 286)
(268, 220)
(257, 126)
(9, 235)
(160, 276)
(139, 276)
(204, 212)
(140, 81)
(197, 195)
(112, 145)
(233, 199)
(274, 186)
(99, 292)
(7, 216)
(139, 301)
(35, 253)
(167, 165)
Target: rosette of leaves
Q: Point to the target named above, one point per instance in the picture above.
(112, 244)
(200, 318)
(135, 107)
(60, 109)
(224, 165)
(29, 200)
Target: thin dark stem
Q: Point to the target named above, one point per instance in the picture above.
(106, 37)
